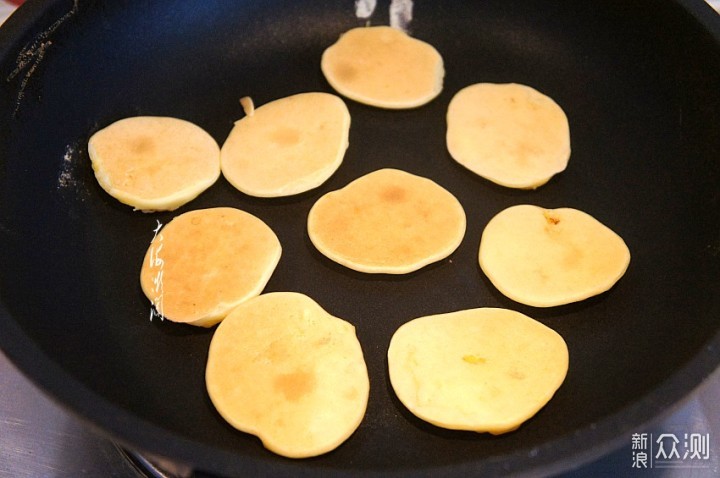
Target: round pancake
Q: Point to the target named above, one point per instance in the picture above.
(388, 221)
(384, 67)
(281, 368)
(509, 134)
(548, 257)
(287, 146)
(154, 163)
(483, 370)
(203, 263)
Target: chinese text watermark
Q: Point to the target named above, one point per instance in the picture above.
(156, 264)
(670, 450)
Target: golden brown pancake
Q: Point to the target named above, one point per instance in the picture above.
(483, 370)
(510, 134)
(388, 221)
(287, 146)
(281, 368)
(203, 263)
(383, 66)
(547, 257)
(154, 163)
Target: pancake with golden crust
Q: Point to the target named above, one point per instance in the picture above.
(388, 221)
(384, 67)
(510, 134)
(483, 370)
(282, 368)
(203, 263)
(548, 257)
(287, 146)
(154, 163)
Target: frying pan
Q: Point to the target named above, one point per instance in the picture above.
(639, 81)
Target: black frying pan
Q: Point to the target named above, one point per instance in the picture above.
(639, 81)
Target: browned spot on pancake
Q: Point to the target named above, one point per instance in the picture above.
(393, 194)
(351, 393)
(142, 145)
(324, 340)
(285, 136)
(346, 72)
(295, 385)
(573, 256)
(551, 218)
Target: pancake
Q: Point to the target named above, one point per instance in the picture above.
(384, 67)
(388, 221)
(203, 263)
(287, 146)
(281, 368)
(548, 257)
(154, 163)
(482, 370)
(510, 134)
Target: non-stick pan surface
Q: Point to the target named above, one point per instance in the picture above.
(639, 81)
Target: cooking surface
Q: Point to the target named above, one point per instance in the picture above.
(169, 336)
(39, 438)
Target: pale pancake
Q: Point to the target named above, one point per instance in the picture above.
(483, 370)
(203, 263)
(547, 257)
(281, 368)
(382, 66)
(510, 134)
(154, 163)
(388, 221)
(287, 146)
